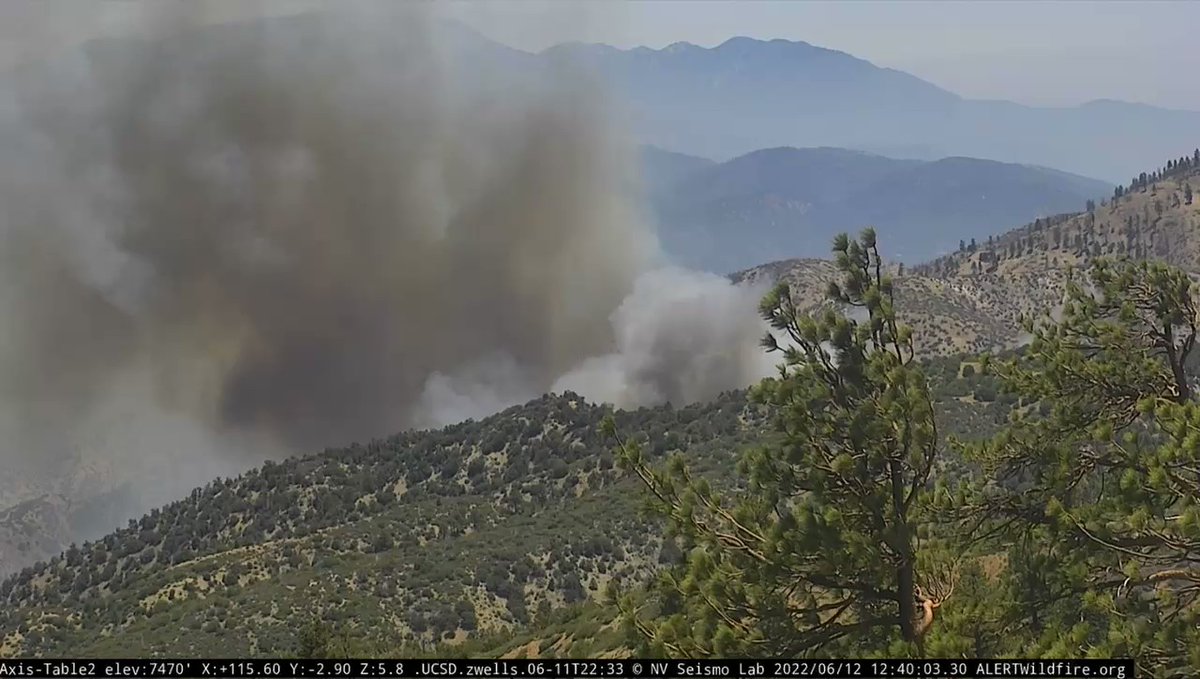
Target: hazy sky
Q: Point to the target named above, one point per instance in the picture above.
(1040, 52)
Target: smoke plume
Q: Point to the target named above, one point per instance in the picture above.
(227, 242)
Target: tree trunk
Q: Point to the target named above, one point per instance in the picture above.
(906, 590)
(905, 577)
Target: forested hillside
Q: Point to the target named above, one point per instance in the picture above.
(425, 537)
(435, 533)
(1155, 216)
(971, 300)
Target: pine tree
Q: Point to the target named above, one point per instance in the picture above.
(1187, 194)
(1095, 490)
(819, 552)
(316, 641)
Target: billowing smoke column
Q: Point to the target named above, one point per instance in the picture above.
(226, 242)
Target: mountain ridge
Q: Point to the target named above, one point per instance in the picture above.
(421, 541)
(729, 216)
(971, 301)
(838, 99)
(748, 93)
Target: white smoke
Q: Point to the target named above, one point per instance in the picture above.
(682, 336)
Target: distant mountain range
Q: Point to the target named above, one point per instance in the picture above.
(787, 202)
(747, 94)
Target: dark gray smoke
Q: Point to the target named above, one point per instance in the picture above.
(224, 242)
